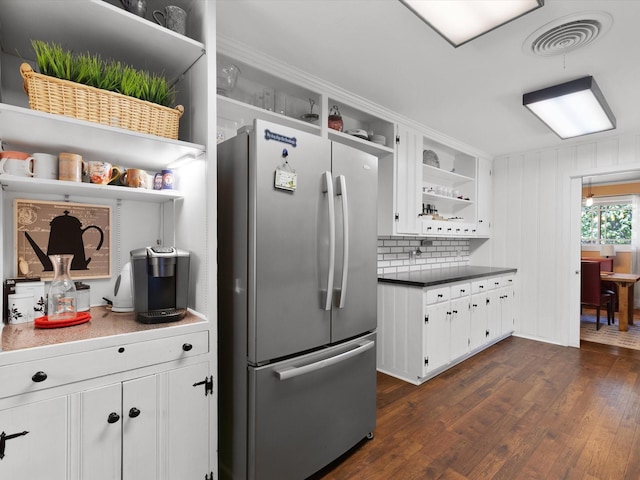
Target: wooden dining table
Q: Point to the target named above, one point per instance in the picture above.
(625, 283)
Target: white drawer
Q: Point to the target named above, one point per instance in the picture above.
(482, 285)
(460, 290)
(437, 295)
(52, 372)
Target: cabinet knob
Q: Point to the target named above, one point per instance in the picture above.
(113, 417)
(134, 412)
(39, 377)
(186, 347)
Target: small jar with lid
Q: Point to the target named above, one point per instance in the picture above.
(83, 297)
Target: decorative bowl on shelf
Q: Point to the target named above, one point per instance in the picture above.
(429, 157)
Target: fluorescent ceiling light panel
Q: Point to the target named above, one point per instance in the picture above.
(572, 109)
(460, 21)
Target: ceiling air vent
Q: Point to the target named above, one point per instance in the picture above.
(567, 34)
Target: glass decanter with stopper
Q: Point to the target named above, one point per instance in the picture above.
(62, 291)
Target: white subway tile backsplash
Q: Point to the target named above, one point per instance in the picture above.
(394, 254)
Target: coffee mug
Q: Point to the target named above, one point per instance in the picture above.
(20, 307)
(135, 178)
(99, 172)
(117, 172)
(70, 167)
(174, 18)
(19, 164)
(45, 165)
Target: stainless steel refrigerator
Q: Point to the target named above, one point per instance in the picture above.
(297, 251)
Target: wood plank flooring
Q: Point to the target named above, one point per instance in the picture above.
(519, 410)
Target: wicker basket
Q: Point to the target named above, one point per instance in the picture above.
(62, 97)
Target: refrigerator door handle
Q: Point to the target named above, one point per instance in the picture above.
(328, 189)
(291, 372)
(342, 191)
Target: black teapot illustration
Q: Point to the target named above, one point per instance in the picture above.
(65, 237)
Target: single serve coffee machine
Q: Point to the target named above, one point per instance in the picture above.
(160, 283)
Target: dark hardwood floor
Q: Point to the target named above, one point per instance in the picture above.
(519, 410)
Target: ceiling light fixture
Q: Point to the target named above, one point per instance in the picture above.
(572, 109)
(460, 21)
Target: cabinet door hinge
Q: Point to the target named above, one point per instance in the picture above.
(209, 476)
(396, 216)
(4, 437)
(397, 139)
(208, 385)
(426, 319)
(426, 361)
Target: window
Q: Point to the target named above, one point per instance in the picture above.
(608, 221)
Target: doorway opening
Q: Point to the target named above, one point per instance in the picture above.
(610, 236)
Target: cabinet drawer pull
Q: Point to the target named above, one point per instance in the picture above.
(113, 417)
(186, 347)
(134, 412)
(39, 377)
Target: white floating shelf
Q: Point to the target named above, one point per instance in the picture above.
(33, 131)
(60, 187)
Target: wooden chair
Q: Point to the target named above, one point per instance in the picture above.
(591, 293)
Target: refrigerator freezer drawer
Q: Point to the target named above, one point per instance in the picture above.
(307, 411)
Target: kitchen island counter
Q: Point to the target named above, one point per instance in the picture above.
(439, 276)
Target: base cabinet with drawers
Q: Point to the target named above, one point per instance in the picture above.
(424, 331)
(130, 410)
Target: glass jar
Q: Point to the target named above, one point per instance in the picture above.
(62, 291)
(335, 119)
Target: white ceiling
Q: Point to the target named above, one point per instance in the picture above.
(382, 51)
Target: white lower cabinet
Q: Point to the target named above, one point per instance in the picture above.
(144, 414)
(153, 427)
(422, 332)
(34, 440)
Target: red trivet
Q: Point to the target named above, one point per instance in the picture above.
(43, 322)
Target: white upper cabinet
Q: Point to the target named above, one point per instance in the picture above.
(433, 187)
(408, 188)
(485, 197)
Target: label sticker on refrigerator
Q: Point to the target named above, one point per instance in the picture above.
(269, 135)
(286, 179)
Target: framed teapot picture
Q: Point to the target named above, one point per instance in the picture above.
(52, 228)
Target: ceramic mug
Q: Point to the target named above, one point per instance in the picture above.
(19, 164)
(38, 296)
(117, 172)
(45, 165)
(174, 18)
(20, 307)
(100, 173)
(70, 167)
(135, 178)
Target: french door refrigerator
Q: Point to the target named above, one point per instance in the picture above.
(297, 251)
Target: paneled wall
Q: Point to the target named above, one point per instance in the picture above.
(532, 227)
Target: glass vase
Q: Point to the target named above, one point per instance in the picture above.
(62, 291)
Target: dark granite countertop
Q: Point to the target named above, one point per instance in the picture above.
(438, 276)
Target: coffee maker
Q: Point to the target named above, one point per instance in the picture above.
(160, 283)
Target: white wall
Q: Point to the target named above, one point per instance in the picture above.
(532, 227)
